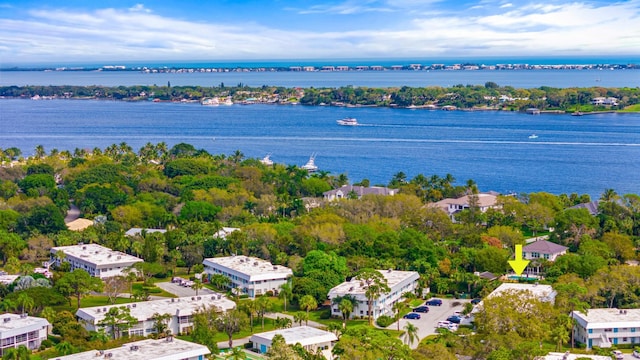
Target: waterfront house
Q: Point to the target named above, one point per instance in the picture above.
(543, 249)
(604, 101)
(485, 201)
(357, 191)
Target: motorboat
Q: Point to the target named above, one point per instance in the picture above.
(267, 160)
(311, 166)
(210, 102)
(533, 136)
(348, 121)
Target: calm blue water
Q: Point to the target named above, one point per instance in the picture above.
(572, 154)
(515, 78)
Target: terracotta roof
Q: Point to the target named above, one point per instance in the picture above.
(544, 247)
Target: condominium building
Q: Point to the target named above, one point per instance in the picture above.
(310, 338)
(251, 275)
(169, 348)
(399, 282)
(180, 309)
(17, 330)
(95, 259)
(607, 327)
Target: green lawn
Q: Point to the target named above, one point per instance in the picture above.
(632, 108)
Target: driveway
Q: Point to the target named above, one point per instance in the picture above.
(427, 323)
(182, 291)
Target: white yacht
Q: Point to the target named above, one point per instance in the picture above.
(311, 166)
(533, 136)
(210, 102)
(348, 121)
(267, 160)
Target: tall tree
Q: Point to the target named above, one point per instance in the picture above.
(374, 284)
(118, 319)
(78, 283)
(230, 322)
(308, 303)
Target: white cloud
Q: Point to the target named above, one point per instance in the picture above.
(507, 5)
(139, 34)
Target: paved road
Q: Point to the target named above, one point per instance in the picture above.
(427, 323)
(72, 214)
(182, 291)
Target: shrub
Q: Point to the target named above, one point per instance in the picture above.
(384, 321)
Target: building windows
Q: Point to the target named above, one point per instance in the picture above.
(535, 255)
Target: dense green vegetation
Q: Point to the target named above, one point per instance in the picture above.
(193, 194)
(489, 96)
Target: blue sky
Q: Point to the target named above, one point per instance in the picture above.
(81, 30)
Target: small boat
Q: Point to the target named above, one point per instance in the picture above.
(533, 136)
(348, 121)
(227, 102)
(311, 166)
(267, 160)
(577, 113)
(210, 102)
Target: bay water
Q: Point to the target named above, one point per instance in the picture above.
(585, 154)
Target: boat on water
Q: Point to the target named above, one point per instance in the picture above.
(311, 166)
(267, 160)
(227, 102)
(533, 136)
(210, 102)
(577, 113)
(348, 121)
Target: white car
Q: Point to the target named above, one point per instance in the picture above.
(636, 354)
(453, 327)
(443, 324)
(617, 354)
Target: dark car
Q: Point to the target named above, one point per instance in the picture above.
(421, 309)
(476, 301)
(454, 319)
(412, 316)
(434, 302)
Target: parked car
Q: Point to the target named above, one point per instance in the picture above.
(454, 319)
(636, 354)
(617, 354)
(421, 309)
(412, 316)
(434, 302)
(444, 324)
(453, 327)
(476, 301)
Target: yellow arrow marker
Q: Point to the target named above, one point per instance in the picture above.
(518, 265)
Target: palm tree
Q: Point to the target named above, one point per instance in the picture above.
(411, 333)
(308, 303)
(398, 307)
(236, 353)
(374, 284)
(40, 153)
(251, 308)
(64, 348)
(19, 353)
(197, 285)
(26, 302)
(346, 308)
(263, 304)
(300, 316)
(285, 294)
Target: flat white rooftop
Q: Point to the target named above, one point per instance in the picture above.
(8, 279)
(254, 268)
(96, 254)
(542, 292)
(610, 316)
(138, 231)
(394, 277)
(304, 335)
(10, 321)
(161, 349)
(144, 310)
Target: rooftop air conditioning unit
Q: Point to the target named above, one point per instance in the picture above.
(133, 305)
(199, 298)
(6, 319)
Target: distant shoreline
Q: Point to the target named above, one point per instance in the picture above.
(201, 68)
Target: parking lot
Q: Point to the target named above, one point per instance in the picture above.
(429, 321)
(181, 291)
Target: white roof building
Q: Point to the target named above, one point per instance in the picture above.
(308, 337)
(540, 292)
(169, 348)
(138, 231)
(17, 330)
(569, 356)
(251, 275)
(607, 327)
(95, 259)
(222, 233)
(359, 191)
(180, 309)
(399, 282)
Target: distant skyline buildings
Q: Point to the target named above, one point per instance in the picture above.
(168, 30)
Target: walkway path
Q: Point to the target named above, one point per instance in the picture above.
(72, 214)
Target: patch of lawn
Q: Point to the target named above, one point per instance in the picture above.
(631, 108)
